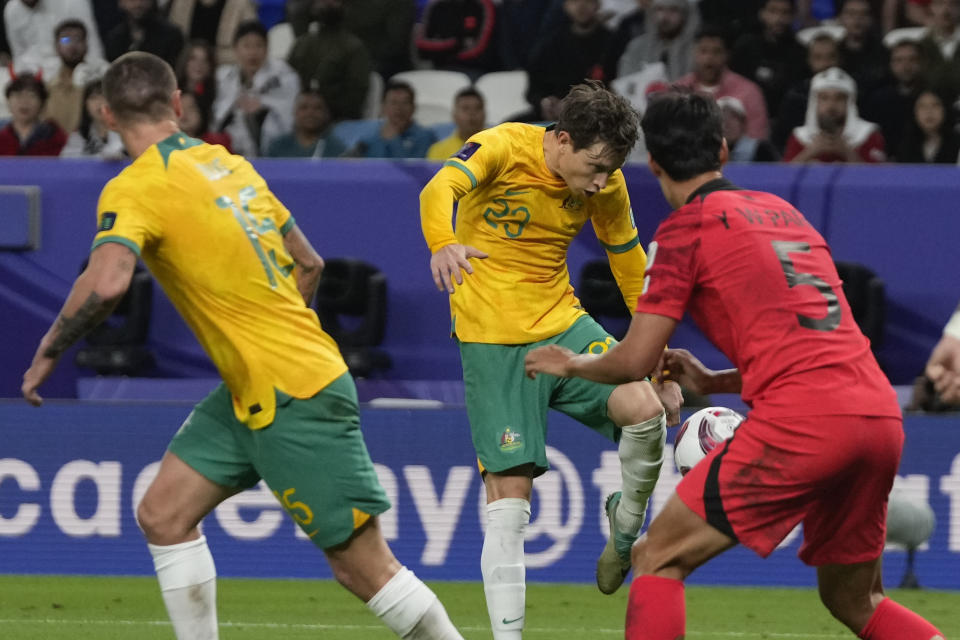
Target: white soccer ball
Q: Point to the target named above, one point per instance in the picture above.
(701, 433)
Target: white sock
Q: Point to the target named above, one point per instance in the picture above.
(411, 610)
(188, 583)
(641, 455)
(501, 563)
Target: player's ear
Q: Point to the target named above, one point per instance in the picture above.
(724, 152)
(109, 118)
(563, 138)
(655, 168)
(177, 104)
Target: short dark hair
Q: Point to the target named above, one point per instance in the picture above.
(684, 133)
(468, 92)
(712, 32)
(139, 86)
(247, 27)
(69, 24)
(27, 82)
(589, 113)
(399, 85)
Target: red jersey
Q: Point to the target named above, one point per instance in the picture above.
(760, 283)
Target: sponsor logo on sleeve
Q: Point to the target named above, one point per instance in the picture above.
(467, 150)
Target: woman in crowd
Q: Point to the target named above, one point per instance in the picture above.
(196, 71)
(27, 134)
(929, 136)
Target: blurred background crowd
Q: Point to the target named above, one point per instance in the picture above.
(798, 80)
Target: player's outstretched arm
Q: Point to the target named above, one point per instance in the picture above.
(309, 263)
(684, 368)
(94, 296)
(632, 359)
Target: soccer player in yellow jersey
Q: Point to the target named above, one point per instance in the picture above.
(523, 193)
(235, 265)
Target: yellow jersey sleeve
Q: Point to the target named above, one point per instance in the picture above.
(616, 230)
(121, 219)
(481, 157)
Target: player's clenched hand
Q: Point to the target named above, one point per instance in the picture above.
(40, 369)
(447, 262)
(943, 369)
(671, 398)
(552, 359)
(682, 367)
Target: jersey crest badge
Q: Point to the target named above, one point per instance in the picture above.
(467, 150)
(572, 203)
(510, 440)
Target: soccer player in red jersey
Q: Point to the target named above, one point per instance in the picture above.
(823, 438)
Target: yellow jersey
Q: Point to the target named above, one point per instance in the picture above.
(211, 232)
(512, 207)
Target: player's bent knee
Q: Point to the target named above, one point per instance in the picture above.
(633, 403)
(159, 526)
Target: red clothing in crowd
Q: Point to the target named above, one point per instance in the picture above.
(47, 139)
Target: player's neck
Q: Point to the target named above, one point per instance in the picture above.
(677, 193)
(550, 145)
(138, 138)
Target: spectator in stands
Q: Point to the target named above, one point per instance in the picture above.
(769, 54)
(310, 137)
(823, 52)
(458, 35)
(195, 121)
(297, 16)
(862, 54)
(469, 117)
(521, 19)
(93, 138)
(30, 25)
(941, 45)
(65, 86)
(834, 131)
(144, 29)
(631, 25)
(735, 17)
(915, 13)
(27, 134)
(213, 21)
(386, 28)
(196, 71)
(399, 136)
(710, 75)
(333, 61)
(669, 40)
(929, 136)
(5, 57)
(572, 53)
(891, 105)
(108, 15)
(743, 148)
(255, 96)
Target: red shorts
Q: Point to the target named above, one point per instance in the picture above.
(833, 473)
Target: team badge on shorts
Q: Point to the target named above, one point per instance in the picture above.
(467, 150)
(510, 440)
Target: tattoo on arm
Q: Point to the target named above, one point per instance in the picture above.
(68, 330)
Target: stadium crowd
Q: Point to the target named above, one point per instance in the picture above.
(797, 80)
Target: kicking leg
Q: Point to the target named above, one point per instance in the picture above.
(174, 504)
(635, 408)
(368, 569)
(677, 542)
(853, 593)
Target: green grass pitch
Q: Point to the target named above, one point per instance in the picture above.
(109, 608)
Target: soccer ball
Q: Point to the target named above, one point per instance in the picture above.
(701, 433)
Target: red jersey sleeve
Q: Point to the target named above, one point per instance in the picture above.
(672, 264)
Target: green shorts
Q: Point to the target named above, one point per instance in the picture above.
(312, 457)
(508, 410)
